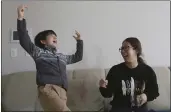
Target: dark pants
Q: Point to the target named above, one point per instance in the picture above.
(141, 109)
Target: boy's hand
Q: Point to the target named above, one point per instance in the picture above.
(20, 11)
(78, 36)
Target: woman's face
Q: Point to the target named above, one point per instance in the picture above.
(128, 52)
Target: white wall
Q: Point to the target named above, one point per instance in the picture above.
(103, 26)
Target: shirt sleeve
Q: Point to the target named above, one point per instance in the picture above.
(107, 92)
(151, 89)
(25, 40)
(78, 54)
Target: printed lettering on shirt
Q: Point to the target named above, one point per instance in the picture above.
(129, 87)
(126, 87)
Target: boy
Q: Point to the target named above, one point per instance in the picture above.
(51, 66)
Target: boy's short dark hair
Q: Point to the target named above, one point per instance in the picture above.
(42, 36)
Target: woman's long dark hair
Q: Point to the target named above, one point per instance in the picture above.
(136, 44)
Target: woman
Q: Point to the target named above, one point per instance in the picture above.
(132, 83)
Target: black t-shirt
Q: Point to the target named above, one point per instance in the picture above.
(122, 79)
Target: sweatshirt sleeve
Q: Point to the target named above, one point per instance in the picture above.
(107, 92)
(151, 89)
(78, 54)
(24, 38)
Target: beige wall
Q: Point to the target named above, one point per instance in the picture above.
(103, 26)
